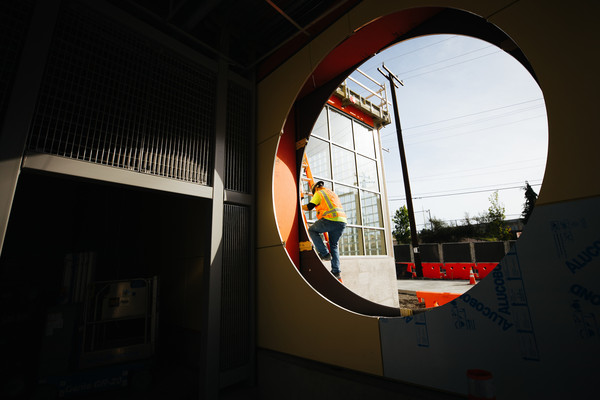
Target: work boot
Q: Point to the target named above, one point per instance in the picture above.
(326, 257)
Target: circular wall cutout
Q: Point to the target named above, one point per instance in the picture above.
(326, 71)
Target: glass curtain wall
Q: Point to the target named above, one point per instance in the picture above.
(342, 153)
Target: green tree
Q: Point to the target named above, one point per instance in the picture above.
(437, 224)
(530, 199)
(495, 219)
(440, 231)
(401, 225)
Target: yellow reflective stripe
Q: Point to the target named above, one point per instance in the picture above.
(327, 199)
(335, 211)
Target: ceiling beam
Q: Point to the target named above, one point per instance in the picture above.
(280, 11)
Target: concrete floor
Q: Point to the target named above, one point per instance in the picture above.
(278, 376)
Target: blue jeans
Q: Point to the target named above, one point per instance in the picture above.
(335, 230)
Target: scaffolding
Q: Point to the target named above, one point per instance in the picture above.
(370, 98)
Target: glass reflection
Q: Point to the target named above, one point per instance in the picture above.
(344, 166)
(371, 209)
(341, 129)
(320, 128)
(374, 242)
(351, 243)
(349, 198)
(367, 173)
(319, 158)
(342, 152)
(363, 137)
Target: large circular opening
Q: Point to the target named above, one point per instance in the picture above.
(474, 130)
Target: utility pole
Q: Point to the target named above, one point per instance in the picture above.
(409, 205)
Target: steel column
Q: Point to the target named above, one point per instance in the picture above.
(211, 306)
(21, 105)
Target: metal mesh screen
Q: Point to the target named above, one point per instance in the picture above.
(239, 139)
(14, 20)
(236, 304)
(113, 97)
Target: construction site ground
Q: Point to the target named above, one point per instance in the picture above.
(408, 288)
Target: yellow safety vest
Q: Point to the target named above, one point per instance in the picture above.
(328, 205)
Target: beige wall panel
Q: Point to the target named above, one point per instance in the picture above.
(328, 40)
(370, 10)
(277, 92)
(294, 319)
(267, 234)
(567, 71)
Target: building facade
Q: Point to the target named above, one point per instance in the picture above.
(344, 151)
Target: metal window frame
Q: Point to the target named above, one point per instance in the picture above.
(380, 177)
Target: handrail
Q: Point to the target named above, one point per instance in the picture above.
(380, 92)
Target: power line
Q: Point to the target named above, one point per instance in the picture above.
(371, 69)
(450, 173)
(477, 121)
(467, 123)
(461, 193)
(475, 131)
(494, 187)
(451, 65)
(443, 61)
(475, 113)
(455, 177)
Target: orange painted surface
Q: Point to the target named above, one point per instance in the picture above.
(336, 102)
(435, 299)
(285, 190)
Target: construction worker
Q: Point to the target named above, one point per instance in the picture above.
(331, 219)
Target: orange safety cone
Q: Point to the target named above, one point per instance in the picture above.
(472, 278)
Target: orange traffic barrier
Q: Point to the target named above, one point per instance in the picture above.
(457, 270)
(484, 268)
(410, 268)
(432, 270)
(434, 299)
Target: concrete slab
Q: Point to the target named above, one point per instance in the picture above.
(411, 286)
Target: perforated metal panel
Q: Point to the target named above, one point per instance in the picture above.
(236, 303)
(113, 97)
(238, 163)
(14, 20)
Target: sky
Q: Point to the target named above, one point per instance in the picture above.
(473, 121)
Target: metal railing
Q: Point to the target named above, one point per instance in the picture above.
(370, 98)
